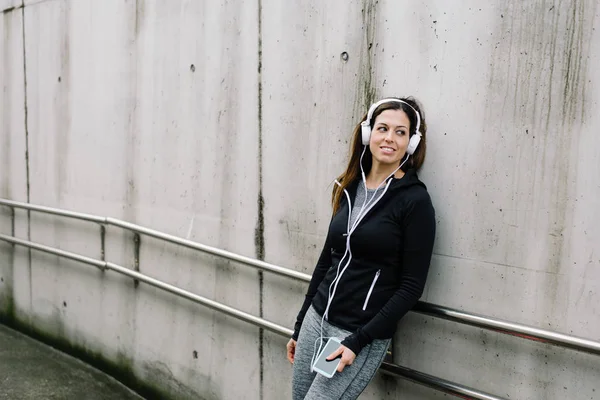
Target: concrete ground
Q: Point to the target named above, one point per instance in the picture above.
(32, 370)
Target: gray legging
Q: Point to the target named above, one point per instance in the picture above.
(349, 384)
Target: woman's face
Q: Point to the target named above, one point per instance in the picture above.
(389, 137)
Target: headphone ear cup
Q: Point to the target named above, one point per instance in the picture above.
(413, 143)
(366, 132)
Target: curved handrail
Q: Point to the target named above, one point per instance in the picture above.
(434, 382)
(506, 327)
(510, 328)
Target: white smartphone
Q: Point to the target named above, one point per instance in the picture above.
(322, 365)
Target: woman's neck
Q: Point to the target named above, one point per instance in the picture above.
(380, 172)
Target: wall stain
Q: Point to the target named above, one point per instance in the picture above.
(6, 111)
(121, 368)
(7, 274)
(27, 169)
(139, 16)
(367, 93)
(535, 111)
(259, 234)
(131, 240)
(62, 103)
(137, 243)
(11, 9)
(162, 376)
(103, 243)
(131, 193)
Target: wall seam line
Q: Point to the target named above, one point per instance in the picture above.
(26, 122)
(259, 237)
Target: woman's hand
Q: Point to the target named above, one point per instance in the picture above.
(291, 350)
(348, 357)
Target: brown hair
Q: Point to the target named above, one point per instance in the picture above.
(352, 171)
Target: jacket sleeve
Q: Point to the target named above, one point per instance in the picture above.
(419, 234)
(321, 268)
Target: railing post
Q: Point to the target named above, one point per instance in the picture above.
(103, 242)
(137, 241)
(389, 355)
(12, 223)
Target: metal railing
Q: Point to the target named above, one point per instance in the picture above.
(434, 310)
(431, 381)
(480, 321)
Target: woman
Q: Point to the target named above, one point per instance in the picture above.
(374, 264)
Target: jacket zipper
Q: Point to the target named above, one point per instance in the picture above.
(371, 289)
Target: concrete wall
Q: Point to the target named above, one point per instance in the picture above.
(225, 122)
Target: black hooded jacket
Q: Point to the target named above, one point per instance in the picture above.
(391, 251)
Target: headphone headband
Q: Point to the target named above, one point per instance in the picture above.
(392, 100)
(366, 125)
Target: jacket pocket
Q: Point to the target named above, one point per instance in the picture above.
(371, 289)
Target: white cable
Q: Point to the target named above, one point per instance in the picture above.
(363, 211)
(361, 216)
(365, 208)
(315, 354)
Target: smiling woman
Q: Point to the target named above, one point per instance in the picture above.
(401, 111)
(389, 139)
(376, 256)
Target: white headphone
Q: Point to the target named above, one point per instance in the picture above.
(366, 125)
